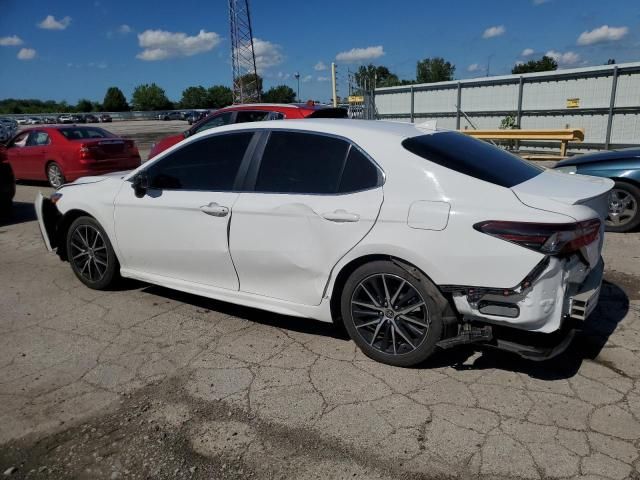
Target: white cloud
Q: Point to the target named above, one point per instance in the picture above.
(495, 31)
(320, 66)
(12, 41)
(323, 79)
(605, 33)
(50, 23)
(564, 59)
(160, 44)
(124, 29)
(540, 2)
(474, 67)
(360, 54)
(527, 52)
(26, 54)
(267, 54)
(283, 76)
(306, 78)
(519, 62)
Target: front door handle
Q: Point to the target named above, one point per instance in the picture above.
(215, 210)
(341, 216)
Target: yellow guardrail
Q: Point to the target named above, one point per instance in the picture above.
(563, 135)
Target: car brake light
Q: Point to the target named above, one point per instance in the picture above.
(547, 238)
(85, 152)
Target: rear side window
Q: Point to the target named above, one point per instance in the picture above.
(472, 157)
(209, 164)
(359, 173)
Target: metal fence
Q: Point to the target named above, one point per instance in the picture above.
(604, 100)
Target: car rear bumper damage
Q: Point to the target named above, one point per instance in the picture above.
(538, 318)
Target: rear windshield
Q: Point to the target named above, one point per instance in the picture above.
(84, 133)
(472, 157)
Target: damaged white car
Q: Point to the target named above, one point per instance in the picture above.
(414, 239)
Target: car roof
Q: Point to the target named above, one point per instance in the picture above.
(349, 128)
(273, 106)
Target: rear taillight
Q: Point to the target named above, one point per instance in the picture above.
(547, 238)
(131, 147)
(85, 152)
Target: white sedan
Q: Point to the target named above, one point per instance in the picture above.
(413, 239)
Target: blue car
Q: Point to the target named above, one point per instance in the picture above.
(621, 166)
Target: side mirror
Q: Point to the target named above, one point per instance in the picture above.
(140, 184)
(186, 133)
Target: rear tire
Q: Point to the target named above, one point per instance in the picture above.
(394, 316)
(624, 208)
(91, 255)
(55, 176)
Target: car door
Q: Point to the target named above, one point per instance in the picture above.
(314, 198)
(34, 154)
(15, 158)
(179, 228)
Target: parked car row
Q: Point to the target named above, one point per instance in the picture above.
(8, 128)
(65, 118)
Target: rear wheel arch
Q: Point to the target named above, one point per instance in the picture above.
(346, 271)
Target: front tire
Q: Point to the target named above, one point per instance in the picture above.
(91, 255)
(55, 176)
(394, 316)
(624, 208)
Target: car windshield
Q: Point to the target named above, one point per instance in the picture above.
(84, 133)
(472, 157)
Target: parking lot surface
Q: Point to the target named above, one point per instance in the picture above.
(144, 382)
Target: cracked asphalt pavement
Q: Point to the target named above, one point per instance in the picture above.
(145, 382)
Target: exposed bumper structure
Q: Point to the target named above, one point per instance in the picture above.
(48, 216)
(538, 318)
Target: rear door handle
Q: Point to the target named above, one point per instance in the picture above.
(341, 216)
(215, 210)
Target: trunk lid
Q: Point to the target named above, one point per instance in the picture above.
(107, 148)
(580, 197)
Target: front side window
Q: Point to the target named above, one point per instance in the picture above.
(307, 163)
(20, 140)
(215, 121)
(472, 157)
(209, 164)
(245, 116)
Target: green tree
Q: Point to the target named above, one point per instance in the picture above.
(84, 105)
(545, 64)
(194, 97)
(279, 94)
(219, 96)
(150, 97)
(434, 69)
(115, 101)
(251, 82)
(380, 76)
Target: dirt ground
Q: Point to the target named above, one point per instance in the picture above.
(143, 382)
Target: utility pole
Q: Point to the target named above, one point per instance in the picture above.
(297, 77)
(334, 90)
(246, 86)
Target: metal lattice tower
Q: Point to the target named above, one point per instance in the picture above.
(246, 88)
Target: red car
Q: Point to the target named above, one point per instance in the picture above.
(253, 112)
(64, 153)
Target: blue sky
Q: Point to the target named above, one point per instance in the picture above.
(71, 49)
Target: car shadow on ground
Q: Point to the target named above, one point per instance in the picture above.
(612, 308)
(301, 325)
(21, 212)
